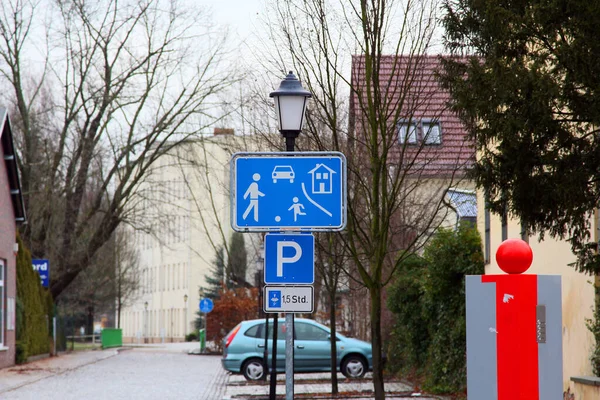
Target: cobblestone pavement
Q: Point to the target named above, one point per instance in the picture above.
(151, 372)
(238, 388)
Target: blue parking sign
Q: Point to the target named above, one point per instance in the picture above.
(289, 259)
(300, 191)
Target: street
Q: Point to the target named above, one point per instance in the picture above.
(140, 373)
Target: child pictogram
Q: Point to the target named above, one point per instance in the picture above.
(297, 208)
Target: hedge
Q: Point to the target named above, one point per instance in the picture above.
(34, 309)
(428, 300)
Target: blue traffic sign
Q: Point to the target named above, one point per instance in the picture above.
(43, 268)
(206, 305)
(289, 259)
(274, 191)
(274, 298)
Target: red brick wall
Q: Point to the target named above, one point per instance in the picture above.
(7, 241)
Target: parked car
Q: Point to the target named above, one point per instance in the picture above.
(243, 350)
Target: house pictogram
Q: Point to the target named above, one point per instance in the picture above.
(322, 179)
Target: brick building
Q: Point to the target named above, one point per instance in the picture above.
(12, 213)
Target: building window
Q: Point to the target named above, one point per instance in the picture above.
(407, 133)
(432, 132)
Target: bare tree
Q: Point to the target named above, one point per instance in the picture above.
(119, 84)
(396, 185)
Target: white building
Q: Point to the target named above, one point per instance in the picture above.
(182, 215)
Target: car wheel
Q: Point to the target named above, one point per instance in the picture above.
(354, 367)
(253, 369)
(274, 180)
(291, 181)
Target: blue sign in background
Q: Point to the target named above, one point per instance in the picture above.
(305, 191)
(43, 268)
(291, 271)
(206, 305)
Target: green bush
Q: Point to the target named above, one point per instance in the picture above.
(408, 346)
(190, 337)
(34, 305)
(593, 326)
(428, 300)
(20, 352)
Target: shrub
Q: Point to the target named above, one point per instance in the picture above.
(191, 337)
(34, 305)
(409, 338)
(232, 307)
(428, 300)
(20, 352)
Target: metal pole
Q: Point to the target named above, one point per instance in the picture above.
(266, 355)
(273, 384)
(290, 141)
(289, 356)
(205, 330)
(54, 334)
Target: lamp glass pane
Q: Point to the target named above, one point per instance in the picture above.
(291, 111)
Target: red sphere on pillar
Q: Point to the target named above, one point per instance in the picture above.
(514, 256)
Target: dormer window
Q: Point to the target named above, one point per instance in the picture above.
(432, 133)
(407, 133)
(427, 131)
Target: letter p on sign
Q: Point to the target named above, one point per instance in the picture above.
(281, 259)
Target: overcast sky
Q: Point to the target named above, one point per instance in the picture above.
(240, 16)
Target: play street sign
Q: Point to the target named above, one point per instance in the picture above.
(293, 299)
(289, 259)
(285, 191)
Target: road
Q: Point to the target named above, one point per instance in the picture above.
(148, 373)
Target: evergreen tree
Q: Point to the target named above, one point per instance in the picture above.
(214, 281)
(237, 262)
(527, 92)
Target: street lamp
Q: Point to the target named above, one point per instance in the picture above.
(185, 298)
(290, 104)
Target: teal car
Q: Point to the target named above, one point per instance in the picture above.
(243, 350)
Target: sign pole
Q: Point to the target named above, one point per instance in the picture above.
(289, 356)
(289, 318)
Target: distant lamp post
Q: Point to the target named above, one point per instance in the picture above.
(146, 322)
(185, 299)
(290, 103)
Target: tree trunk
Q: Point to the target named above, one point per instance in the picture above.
(375, 292)
(333, 341)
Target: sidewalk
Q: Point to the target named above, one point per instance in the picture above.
(319, 385)
(20, 375)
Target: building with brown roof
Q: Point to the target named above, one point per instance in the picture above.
(427, 147)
